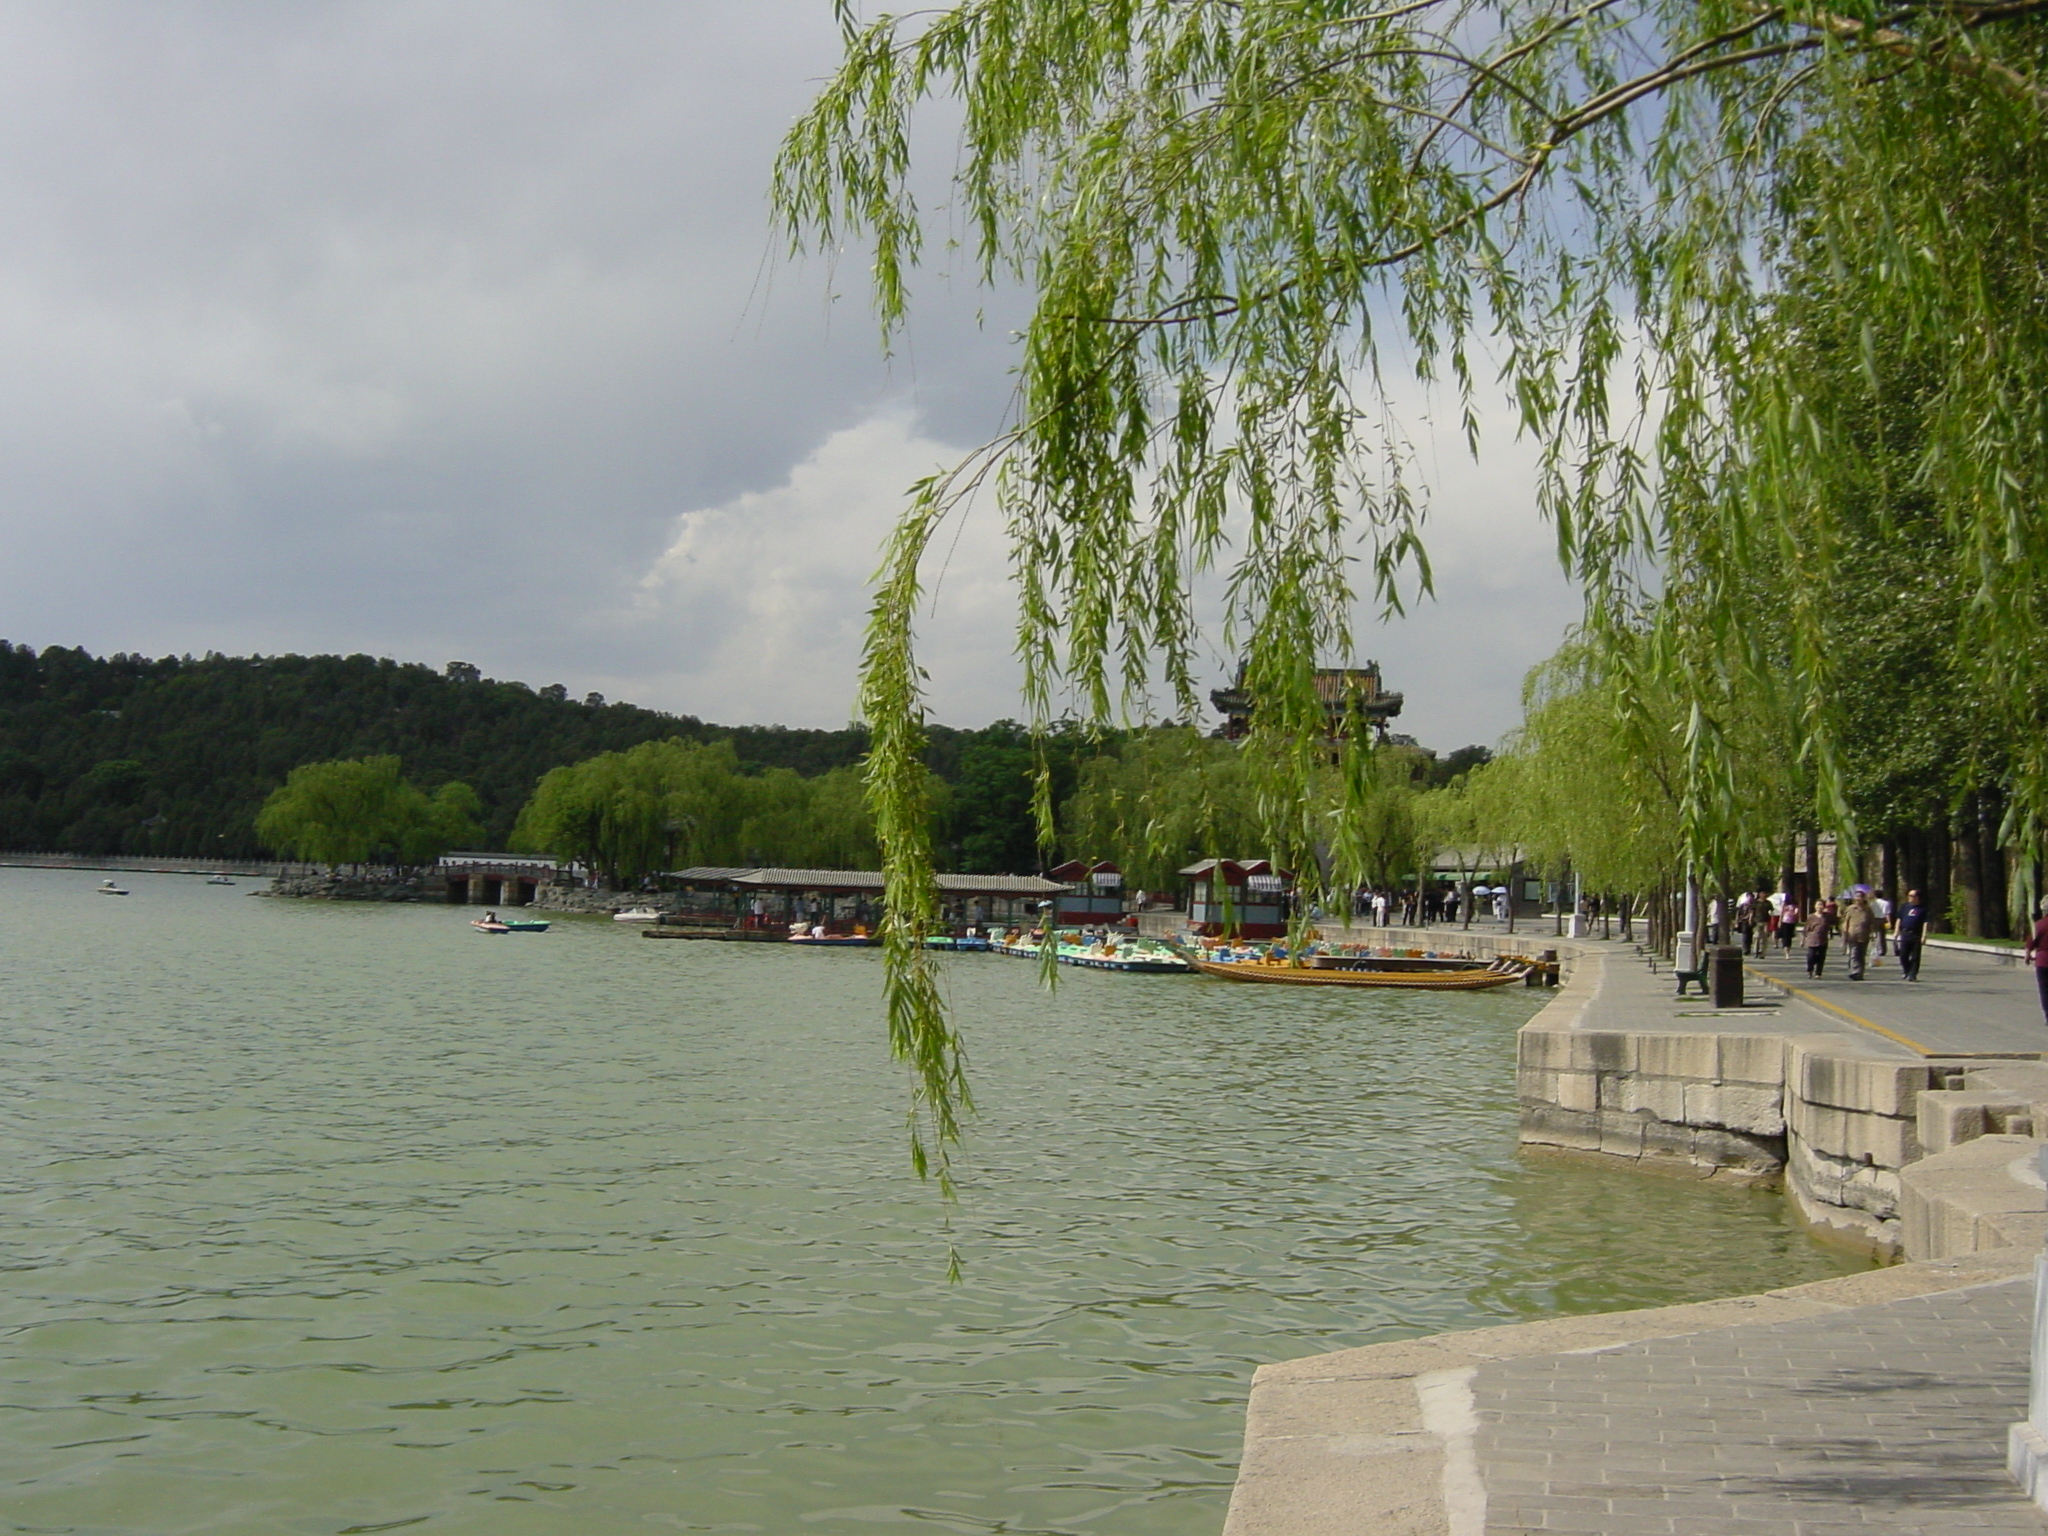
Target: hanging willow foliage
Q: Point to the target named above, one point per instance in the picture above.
(1232, 212)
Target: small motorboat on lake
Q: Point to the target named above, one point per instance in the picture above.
(489, 925)
(108, 888)
(641, 915)
(219, 880)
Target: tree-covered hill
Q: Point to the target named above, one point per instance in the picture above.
(176, 755)
(128, 754)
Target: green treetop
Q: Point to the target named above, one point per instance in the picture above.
(345, 812)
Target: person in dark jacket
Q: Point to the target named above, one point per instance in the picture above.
(1818, 929)
(2037, 954)
(1859, 927)
(1912, 930)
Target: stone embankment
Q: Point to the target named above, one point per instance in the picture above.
(340, 887)
(315, 885)
(1914, 1151)
(576, 898)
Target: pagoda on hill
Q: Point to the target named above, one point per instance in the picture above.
(1342, 690)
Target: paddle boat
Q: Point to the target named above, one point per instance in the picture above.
(1103, 951)
(490, 922)
(815, 937)
(958, 942)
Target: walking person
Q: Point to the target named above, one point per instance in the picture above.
(1881, 905)
(1818, 928)
(1911, 930)
(1859, 927)
(1788, 925)
(2037, 955)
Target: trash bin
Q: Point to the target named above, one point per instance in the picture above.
(1726, 975)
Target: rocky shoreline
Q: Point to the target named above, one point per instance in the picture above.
(340, 887)
(336, 886)
(573, 898)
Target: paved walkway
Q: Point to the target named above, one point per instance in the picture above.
(1886, 1418)
(1965, 1003)
(1878, 1402)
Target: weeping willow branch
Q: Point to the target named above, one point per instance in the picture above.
(920, 1033)
(1232, 213)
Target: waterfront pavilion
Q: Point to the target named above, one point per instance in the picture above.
(843, 898)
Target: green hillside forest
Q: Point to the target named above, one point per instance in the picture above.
(176, 755)
(179, 757)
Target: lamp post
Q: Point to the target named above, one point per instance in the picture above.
(1686, 953)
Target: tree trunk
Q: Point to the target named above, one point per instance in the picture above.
(1940, 870)
(1969, 869)
(1915, 873)
(1998, 922)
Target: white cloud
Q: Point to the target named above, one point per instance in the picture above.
(763, 597)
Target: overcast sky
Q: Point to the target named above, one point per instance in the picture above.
(458, 331)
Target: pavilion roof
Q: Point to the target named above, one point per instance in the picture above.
(867, 881)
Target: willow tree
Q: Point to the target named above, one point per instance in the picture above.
(343, 812)
(1238, 219)
(650, 807)
(1158, 800)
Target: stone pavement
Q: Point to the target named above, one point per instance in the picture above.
(1878, 1402)
(1963, 1004)
(1885, 1418)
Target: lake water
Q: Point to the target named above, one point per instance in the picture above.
(339, 1219)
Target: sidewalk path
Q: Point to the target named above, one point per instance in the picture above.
(1885, 1418)
(1878, 1402)
(1963, 1004)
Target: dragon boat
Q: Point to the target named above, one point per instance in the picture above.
(1328, 968)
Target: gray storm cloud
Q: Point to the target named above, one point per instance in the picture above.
(439, 330)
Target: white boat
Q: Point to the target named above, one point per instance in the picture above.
(219, 880)
(642, 915)
(108, 888)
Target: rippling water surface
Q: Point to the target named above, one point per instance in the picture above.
(344, 1219)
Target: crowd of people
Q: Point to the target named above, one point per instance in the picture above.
(1407, 909)
(1760, 921)
(1863, 917)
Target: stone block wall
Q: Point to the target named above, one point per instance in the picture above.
(1705, 1102)
(1840, 1127)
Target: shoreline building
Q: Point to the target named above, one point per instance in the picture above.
(1342, 691)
